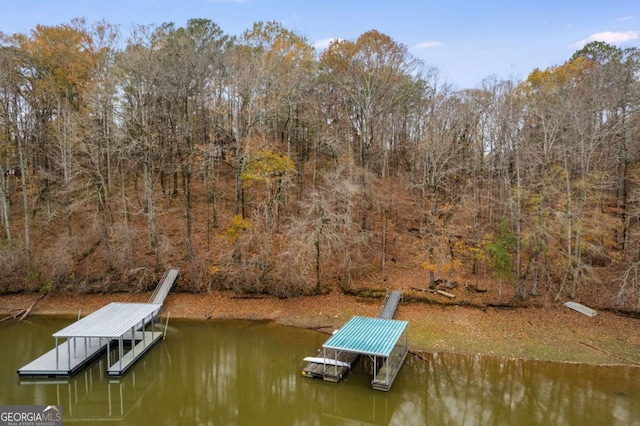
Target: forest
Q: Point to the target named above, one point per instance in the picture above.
(259, 164)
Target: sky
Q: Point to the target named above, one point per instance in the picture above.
(467, 41)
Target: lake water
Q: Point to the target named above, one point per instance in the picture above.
(249, 373)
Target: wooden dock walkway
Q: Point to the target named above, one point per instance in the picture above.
(331, 373)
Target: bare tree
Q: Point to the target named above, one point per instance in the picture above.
(326, 230)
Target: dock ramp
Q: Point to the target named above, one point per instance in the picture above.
(163, 287)
(390, 305)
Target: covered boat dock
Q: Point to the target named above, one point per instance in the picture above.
(383, 340)
(118, 324)
(86, 339)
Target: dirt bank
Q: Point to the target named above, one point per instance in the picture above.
(550, 333)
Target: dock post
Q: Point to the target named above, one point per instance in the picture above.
(133, 341)
(375, 367)
(388, 368)
(142, 327)
(120, 351)
(324, 364)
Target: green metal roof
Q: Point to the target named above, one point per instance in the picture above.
(369, 336)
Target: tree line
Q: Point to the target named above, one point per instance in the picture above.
(264, 165)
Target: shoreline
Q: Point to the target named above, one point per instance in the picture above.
(555, 334)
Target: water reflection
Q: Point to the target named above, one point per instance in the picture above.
(91, 396)
(471, 390)
(248, 373)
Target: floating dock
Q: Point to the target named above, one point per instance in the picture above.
(329, 365)
(58, 362)
(383, 339)
(115, 326)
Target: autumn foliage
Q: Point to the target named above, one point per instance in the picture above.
(258, 164)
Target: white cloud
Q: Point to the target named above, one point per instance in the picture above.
(428, 44)
(610, 37)
(325, 42)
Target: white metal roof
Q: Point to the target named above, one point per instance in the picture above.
(111, 321)
(369, 336)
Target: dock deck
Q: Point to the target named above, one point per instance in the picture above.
(58, 363)
(145, 341)
(330, 373)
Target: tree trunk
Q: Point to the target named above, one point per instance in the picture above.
(188, 216)
(384, 240)
(317, 247)
(25, 198)
(4, 203)
(150, 207)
